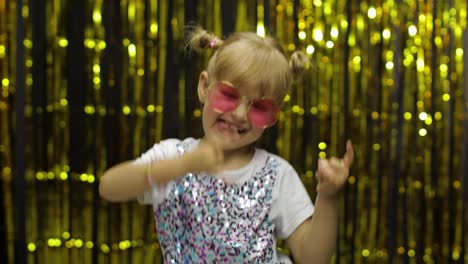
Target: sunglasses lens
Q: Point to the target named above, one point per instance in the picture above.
(223, 98)
(263, 113)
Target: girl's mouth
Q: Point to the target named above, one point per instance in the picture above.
(224, 125)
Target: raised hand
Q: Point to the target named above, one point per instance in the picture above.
(207, 156)
(333, 173)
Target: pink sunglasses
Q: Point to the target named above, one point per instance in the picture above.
(223, 97)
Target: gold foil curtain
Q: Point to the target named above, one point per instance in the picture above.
(104, 80)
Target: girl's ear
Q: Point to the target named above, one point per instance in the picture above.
(203, 86)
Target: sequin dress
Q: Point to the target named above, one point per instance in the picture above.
(206, 220)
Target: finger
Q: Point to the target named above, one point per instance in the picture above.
(335, 162)
(321, 163)
(323, 169)
(319, 175)
(348, 157)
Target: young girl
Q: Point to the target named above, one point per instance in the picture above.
(219, 199)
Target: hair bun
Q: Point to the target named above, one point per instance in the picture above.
(200, 39)
(299, 62)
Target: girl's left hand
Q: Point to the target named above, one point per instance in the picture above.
(333, 173)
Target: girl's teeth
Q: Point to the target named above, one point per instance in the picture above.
(233, 127)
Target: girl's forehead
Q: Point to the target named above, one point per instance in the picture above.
(252, 90)
(252, 82)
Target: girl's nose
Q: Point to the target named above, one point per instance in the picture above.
(241, 111)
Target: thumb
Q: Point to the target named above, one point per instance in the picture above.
(348, 157)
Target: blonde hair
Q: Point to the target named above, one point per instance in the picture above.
(247, 59)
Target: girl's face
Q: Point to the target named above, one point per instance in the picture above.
(232, 129)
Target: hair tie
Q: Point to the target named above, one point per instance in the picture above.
(212, 44)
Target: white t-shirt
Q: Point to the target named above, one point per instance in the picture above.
(291, 204)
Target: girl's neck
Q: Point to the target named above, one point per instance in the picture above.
(235, 159)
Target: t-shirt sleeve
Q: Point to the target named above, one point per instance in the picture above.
(291, 202)
(165, 149)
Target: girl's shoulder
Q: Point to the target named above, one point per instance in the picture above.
(282, 162)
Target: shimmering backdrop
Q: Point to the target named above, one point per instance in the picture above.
(88, 84)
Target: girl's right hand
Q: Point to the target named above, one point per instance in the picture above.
(207, 156)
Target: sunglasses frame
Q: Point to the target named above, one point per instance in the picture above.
(251, 103)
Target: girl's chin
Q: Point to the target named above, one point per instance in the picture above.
(224, 135)
(227, 144)
(223, 141)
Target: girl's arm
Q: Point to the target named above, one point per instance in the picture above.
(314, 240)
(127, 180)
